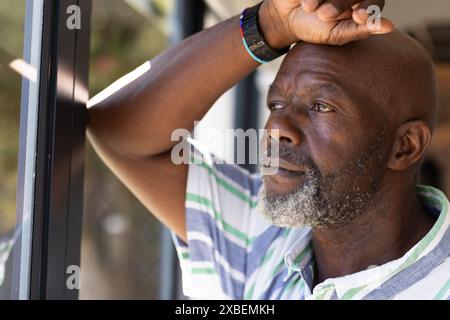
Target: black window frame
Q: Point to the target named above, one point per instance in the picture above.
(58, 202)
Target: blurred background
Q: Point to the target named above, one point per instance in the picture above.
(126, 254)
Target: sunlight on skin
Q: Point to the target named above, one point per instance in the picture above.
(119, 84)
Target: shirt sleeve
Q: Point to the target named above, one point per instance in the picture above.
(220, 207)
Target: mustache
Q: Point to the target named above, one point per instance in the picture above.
(288, 154)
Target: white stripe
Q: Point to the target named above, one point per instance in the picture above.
(235, 274)
(227, 235)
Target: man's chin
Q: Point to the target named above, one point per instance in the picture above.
(291, 207)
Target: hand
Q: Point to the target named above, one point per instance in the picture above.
(333, 22)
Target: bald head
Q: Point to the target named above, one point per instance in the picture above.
(392, 74)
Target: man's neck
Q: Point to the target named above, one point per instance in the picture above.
(385, 232)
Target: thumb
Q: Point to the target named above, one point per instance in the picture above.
(380, 26)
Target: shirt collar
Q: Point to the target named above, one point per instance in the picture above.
(432, 249)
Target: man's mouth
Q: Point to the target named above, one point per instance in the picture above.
(286, 172)
(286, 169)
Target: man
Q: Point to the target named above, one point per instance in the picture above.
(343, 218)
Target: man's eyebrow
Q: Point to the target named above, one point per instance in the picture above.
(312, 88)
(321, 87)
(273, 89)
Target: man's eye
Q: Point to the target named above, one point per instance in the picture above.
(275, 106)
(320, 107)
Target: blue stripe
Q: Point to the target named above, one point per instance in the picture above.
(200, 221)
(277, 282)
(260, 248)
(334, 296)
(308, 273)
(243, 179)
(178, 241)
(286, 283)
(201, 252)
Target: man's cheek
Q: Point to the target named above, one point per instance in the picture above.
(334, 153)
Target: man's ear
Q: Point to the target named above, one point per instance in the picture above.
(411, 140)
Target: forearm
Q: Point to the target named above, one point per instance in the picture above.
(180, 87)
(184, 82)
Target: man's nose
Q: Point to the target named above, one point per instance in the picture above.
(283, 131)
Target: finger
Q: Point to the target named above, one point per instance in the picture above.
(311, 5)
(346, 15)
(348, 30)
(330, 10)
(385, 26)
(361, 13)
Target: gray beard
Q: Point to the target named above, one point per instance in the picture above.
(296, 209)
(308, 206)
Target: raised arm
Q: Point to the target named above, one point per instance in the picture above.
(131, 129)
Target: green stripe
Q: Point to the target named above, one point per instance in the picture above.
(226, 226)
(267, 257)
(321, 296)
(249, 294)
(443, 291)
(302, 255)
(185, 255)
(431, 201)
(351, 293)
(431, 195)
(225, 184)
(278, 268)
(203, 271)
(324, 290)
(294, 282)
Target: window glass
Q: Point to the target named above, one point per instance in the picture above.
(20, 34)
(120, 256)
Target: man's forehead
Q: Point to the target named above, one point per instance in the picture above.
(325, 60)
(313, 68)
(360, 70)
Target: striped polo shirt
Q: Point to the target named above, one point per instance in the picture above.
(233, 253)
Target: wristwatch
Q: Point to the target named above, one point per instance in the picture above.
(253, 39)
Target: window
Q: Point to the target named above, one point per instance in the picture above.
(121, 242)
(20, 31)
